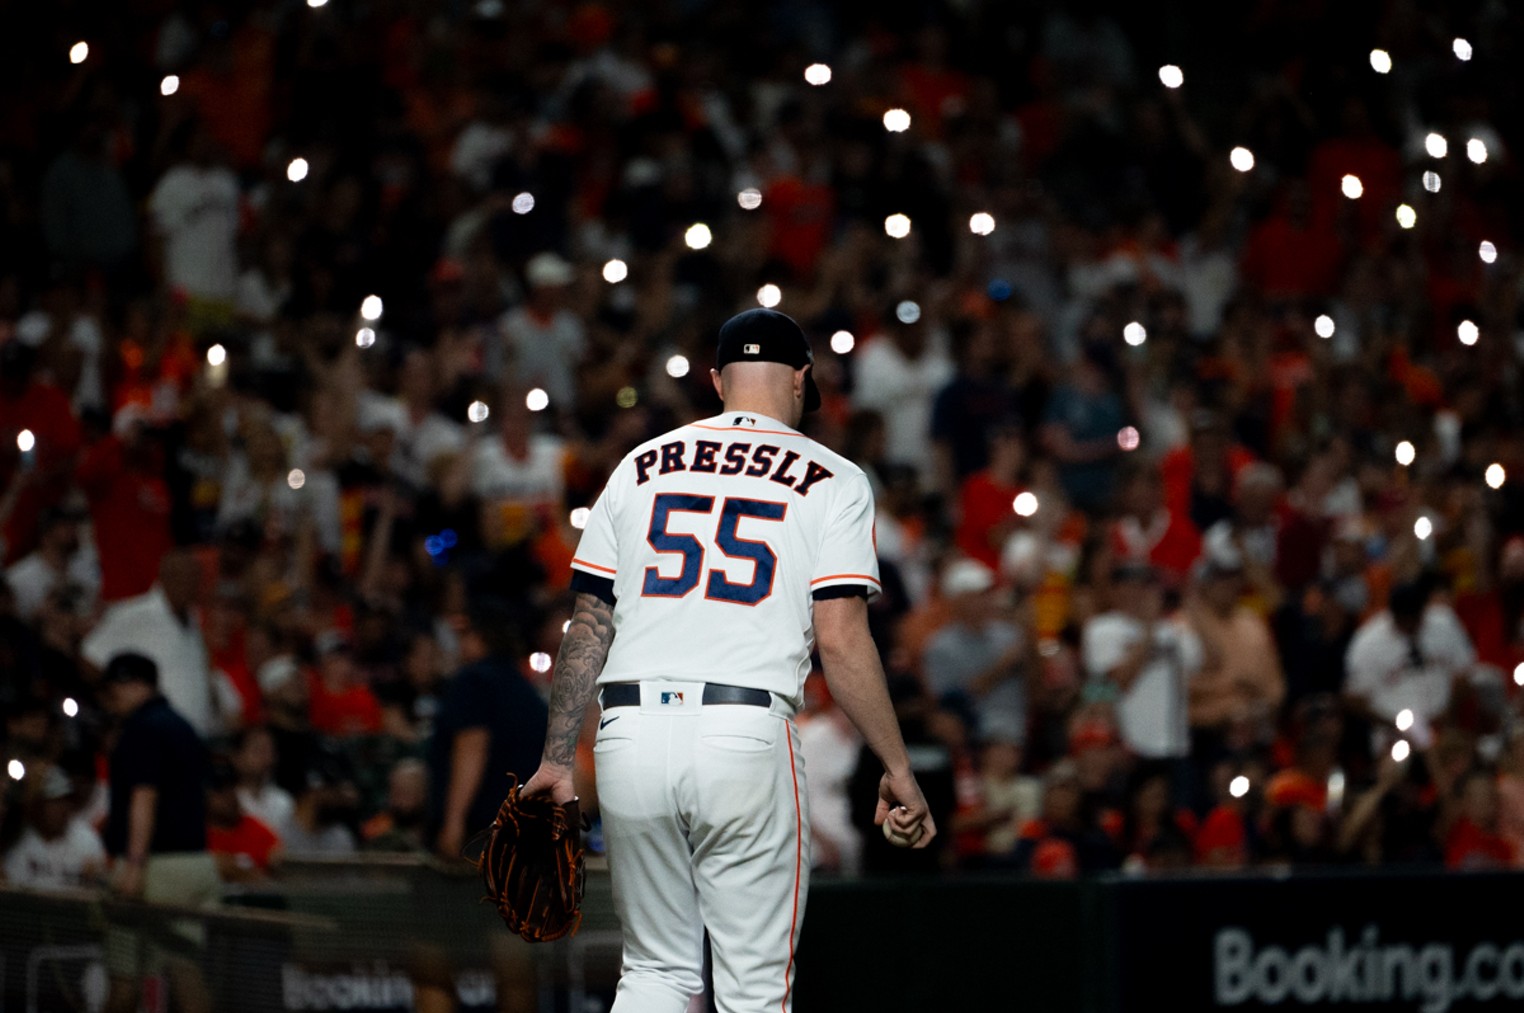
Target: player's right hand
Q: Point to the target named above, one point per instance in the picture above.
(901, 803)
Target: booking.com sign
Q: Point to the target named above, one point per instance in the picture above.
(1363, 969)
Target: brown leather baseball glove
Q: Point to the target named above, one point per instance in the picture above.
(532, 862)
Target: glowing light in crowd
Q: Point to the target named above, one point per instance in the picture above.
(698, 236)
(1404, 719)
(1239, 786)
(896, 121)
(1462, 49)
(1241, 158)
(25, 441)
(1025, 504)
(296, 170)
(523, 203)
(566, 626)
(1381, 61)
(169, 85)
(1128, 438)
(769, 295)
(1406, 216)
(16, 769)
(1406, 453)
(897, 226)
(1468, 332)
(1351, 186)
(79, 52)
(1436, 145)
(1518, 674)
(1496, 475)
(615, 271)
(842, 342)
(477, 411)
(750, 199)
(1476, 150)
(908, 311)
(371, 307)
(981, 223)
(1134, 334)
(1431, 181)
(296, 478)
(1423, 528)
(70, 707)
(216, 355)
(317, 3)
(578, 520)
(1323, 326)
(1171, 76)
(537, 400)
(540, 661)
(627, 397)
(1487, 251)
(365, 337)
(817, 74)
(677, 366)
(1401, 750)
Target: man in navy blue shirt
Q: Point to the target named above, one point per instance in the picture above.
(155, 829)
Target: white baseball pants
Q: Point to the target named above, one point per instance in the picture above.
(706, 825)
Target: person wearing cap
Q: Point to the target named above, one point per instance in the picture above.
(1149, 659)
(719, 555)
(56, 562)
(1240, 678)
(57, 850)
(155, 828)
(975, 664)
(540, 343)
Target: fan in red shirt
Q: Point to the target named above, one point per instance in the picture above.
(244, 848)
(41, 475)
(122, 476)
(1199, 477)
(1149, 532)
(1474, 841)
(987, 496)
(342, 705)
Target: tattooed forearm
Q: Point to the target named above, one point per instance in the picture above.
(583, 652)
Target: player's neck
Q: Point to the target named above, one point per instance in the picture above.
(773, 408)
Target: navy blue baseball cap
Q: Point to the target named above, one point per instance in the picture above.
(761, 335)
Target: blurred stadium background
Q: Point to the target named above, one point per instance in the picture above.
(1182, 344)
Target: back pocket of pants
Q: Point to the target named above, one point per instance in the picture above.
(734, 729)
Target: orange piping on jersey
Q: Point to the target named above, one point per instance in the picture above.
(843, 576)
(743, 429)
(793, 767)
(592, 566)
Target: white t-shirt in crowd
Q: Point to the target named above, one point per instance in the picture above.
(31, 580)
(903, 391)
(830, 749)
(272, 805)
(541, 353)
(70, 861)
(196, 210)
(1151, 712)
(538, 477)
(146, 625)
(1380, 665)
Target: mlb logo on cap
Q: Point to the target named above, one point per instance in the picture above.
(752, 349)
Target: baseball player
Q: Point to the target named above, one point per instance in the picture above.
(717, 555)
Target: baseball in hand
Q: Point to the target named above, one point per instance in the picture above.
(900, 840)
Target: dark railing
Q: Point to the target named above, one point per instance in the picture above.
(366, 934)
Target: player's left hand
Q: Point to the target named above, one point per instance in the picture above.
(553, 781)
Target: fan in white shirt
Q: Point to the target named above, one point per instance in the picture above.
(1407, 658)
(57, 850)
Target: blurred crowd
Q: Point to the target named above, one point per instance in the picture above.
(1198, 476)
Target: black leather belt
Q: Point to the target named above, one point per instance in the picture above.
(627, 694)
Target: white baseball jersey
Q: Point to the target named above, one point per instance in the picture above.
(716, 536)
